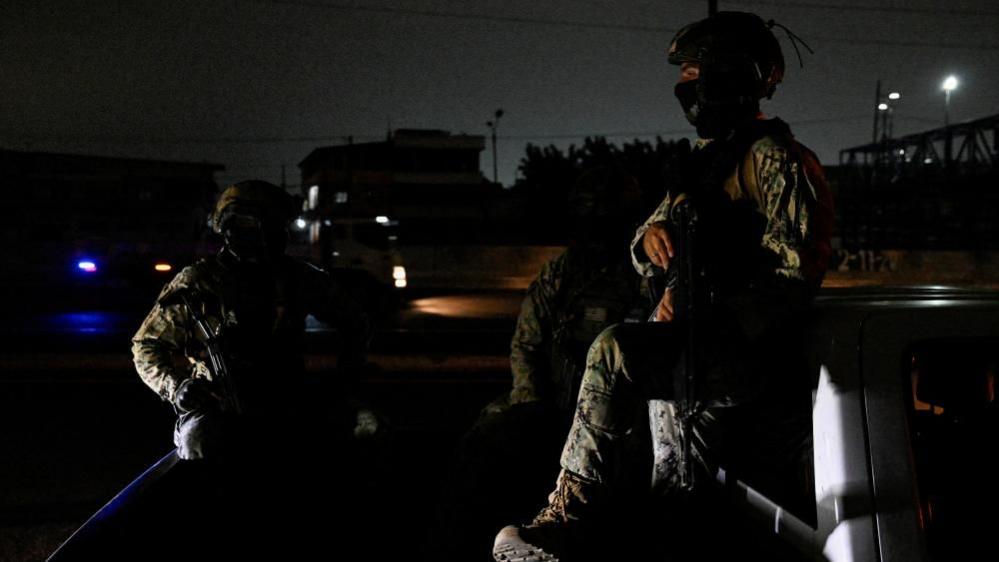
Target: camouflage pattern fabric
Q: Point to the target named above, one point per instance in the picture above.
(629, 364)
(786, 186)
(266, 314)
(572, 300)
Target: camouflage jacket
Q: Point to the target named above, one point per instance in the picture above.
(783, 185)
(262, 316)
(570, 302)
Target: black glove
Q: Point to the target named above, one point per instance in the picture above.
(195, 394)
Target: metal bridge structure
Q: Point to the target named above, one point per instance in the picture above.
(932, 190)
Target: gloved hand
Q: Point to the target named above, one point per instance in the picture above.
(196, 394)
(367, 424)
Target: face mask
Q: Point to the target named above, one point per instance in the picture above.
(714, 119)
(686, 93)
(251, 242)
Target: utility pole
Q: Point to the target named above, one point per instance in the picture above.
(949, 85)
(712, 7)
(877, 102)
(492, 126)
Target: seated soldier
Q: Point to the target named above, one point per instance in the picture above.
(764, 222)
(509, 457)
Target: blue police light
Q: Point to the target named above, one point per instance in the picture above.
(87, 266)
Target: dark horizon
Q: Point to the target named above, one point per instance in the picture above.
(257, 84)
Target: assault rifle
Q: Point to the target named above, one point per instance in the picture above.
(685, 279)
(686, 295)
(216, 359)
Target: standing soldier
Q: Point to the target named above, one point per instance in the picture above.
(765, 219)
(224, 345)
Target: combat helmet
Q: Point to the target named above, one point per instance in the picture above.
(252, 217)
(740, 62)
(252, 198)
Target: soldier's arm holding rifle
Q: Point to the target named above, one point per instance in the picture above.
(651, 251)
(159, 351)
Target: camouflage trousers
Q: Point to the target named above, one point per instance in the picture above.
(631, 365)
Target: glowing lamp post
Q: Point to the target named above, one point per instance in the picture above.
(948, 86)
(883, 118)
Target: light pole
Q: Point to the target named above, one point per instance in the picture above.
(887, 112)
(893, 96)
(492, 126)
(949, 85)
(877, 115)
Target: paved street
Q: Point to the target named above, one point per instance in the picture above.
(79, 425)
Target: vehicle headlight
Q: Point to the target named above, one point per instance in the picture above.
(399, 274)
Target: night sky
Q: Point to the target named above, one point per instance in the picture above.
(252, 84)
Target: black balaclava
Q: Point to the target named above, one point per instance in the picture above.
(252, 237)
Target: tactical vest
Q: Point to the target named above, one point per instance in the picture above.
(261, 322)
(729, 230)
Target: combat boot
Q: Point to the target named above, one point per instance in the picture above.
(555, 531)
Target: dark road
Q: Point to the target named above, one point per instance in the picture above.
(80, 425)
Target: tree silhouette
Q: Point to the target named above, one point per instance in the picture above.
(548, 173)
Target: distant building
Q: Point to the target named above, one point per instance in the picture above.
(413, 210)
(424, 179)
(60, 210)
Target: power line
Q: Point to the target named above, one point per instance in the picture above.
(645, 28)
(468, 16)
(862, 8)
(204, 140)
(917, 44)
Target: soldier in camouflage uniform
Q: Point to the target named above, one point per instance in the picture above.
(587, 288)
(255, 299)
(765, 219)
(579, 293)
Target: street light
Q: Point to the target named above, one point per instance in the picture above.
(883, 118)
(887, 115)
(949, 85)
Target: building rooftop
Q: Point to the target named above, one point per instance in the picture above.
(423, 139)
